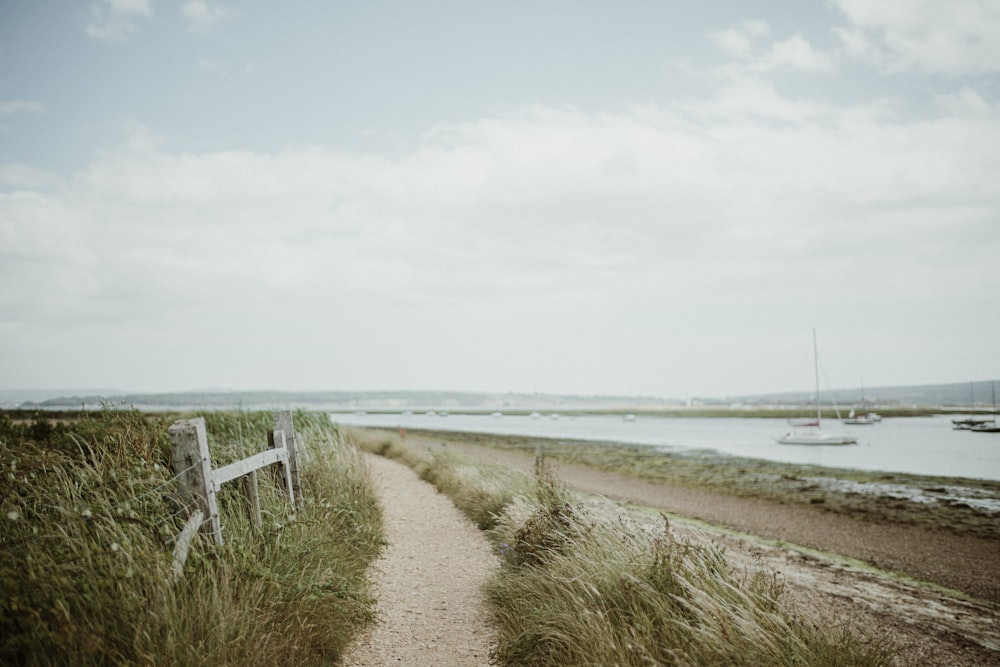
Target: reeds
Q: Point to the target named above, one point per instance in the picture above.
(89, 519)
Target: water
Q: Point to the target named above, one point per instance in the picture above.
(919, 445)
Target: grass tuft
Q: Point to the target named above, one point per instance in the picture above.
(88, 520)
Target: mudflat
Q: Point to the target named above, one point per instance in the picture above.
(936, 590)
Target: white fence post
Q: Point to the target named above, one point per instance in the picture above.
(283, 423)
(276, 440)
(183, 545)
(193, 467)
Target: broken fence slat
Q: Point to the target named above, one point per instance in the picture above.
(183, 545)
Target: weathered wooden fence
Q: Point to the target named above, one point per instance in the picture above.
(199, 482)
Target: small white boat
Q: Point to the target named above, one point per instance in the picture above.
(815, 435)
(862, 419)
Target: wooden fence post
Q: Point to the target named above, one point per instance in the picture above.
(193, 467)
(183, 545)
(276, 440)
(283, 423)
(252, 491)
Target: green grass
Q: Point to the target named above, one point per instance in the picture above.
(579, 586)
(756, 478)
(88, 522)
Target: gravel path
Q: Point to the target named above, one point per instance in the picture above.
(428, 580)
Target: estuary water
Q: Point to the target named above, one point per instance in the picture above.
(919, 445)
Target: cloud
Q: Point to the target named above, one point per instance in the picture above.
(202, 16)
(115, 19)
(553, 235)
(549, 204)
(10, 107)
(794, 54)
(952, 37)
(739, 41)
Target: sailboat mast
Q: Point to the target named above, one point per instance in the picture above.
(816, 372)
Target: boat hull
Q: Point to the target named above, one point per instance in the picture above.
(816, 438)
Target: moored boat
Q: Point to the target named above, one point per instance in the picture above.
(986, 427)
(815, 435)
(817, 438)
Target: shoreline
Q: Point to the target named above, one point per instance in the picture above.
(952, 546)
(961, 505)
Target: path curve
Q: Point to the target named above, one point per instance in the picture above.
(428, 579)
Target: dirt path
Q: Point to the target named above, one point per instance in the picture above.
(428, 579)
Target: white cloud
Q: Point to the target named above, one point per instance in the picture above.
(792, 54)
(550, 204)
(114, 19)
(583, 234)
(20, 176)
(796, 54)
(10, 107)
(738, 41)
(202, 16)
(952, 37)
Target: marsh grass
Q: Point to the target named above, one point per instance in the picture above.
(480, 491)
(584, 586)
(756, 478)
(89, 518)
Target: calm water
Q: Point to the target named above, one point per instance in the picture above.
(922, 445)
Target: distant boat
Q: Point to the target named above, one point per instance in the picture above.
(989, 425)
(816, 436)
(629, 417)
(862, 419)
(986, 427)
(969, 423)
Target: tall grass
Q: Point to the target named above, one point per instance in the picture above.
(88, 521)
(585, 586)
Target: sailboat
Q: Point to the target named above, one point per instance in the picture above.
(990, 426)
(816, 436)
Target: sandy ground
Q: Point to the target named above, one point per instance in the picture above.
(432, 613)
(428, 579)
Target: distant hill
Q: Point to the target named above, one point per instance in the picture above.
(348, 400)
(979, 393)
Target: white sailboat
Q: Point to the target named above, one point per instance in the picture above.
(816, 436)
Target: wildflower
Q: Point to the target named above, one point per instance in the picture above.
(13, 515)
(114, 546)
(86, 514)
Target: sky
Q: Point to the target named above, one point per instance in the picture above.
(644, 197)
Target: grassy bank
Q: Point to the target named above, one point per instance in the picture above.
(581, 586)
(89, 519)
(941, 503)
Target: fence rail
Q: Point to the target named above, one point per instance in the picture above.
(199, 482)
